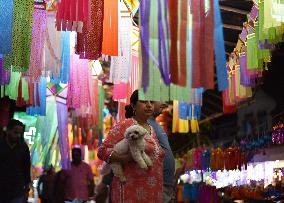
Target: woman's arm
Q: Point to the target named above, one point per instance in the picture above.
(105, 151)
(122, 158)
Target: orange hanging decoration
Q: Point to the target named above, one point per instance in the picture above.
(110, 28)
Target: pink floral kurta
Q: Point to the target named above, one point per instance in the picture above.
(142, 186)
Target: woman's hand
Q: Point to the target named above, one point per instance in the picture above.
(125, 158)
(121, 158)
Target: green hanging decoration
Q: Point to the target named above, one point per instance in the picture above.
(101, 106)
(19, 58)
(157, 90)
(25, 89)
(155, 82)
(2, 91)
(11, 90)
(47, 136)
(252, 52)
(262, 35)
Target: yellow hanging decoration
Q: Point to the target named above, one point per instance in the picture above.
(179, 125)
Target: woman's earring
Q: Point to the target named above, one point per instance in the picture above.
(134, 112)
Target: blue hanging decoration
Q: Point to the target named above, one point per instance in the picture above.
(41, 109)
(183, 110)
(65, 57)
(6, 22)
(220, 57)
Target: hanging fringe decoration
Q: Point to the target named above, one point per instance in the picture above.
(52, 48)
(89, 42)
(145, 35)
(110, 28)
(37, 48)
(65, 57)
(4, 74)
(178, 55)
(78, 86)
(6, 22)
(19, 58)
(72, 15)
(219, 47)
(39, 96)
(62, 116)
(203, 43)
(179, 125)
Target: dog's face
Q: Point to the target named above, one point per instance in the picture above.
(135, 132)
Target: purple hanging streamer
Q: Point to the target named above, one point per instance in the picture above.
(254, 12)
(144, 34)
(265, 45)
(243, 35)
(62, 116)
(248, 77)
(4, 75)
(163, 55)
(245, 79)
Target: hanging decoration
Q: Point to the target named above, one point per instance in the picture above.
(4, 74)
(278, 133)
(19, 57)
(177, 56)
(38, 107)
(52, 48)
(120, 67)
(65, 57)
(72, 15)
(179, 125)
(203, 27)
(37, 45)
(78, 86)
(23, 93)
(219, 46)
(154, 74)
(89, 42)
(247, 63)
(110, 28)
(6, 25)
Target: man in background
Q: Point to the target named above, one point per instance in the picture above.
(15, 164)
(45, 185)
(79, 179)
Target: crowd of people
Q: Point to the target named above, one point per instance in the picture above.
(155, 184)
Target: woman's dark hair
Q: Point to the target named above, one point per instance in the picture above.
(129, 111)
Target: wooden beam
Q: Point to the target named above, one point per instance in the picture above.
(233, 27)
(211, 118)
(234, 10)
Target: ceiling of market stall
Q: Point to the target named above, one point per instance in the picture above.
(234, 15)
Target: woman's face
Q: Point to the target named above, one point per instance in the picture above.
(143, 109)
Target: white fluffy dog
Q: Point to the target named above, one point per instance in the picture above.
(135, 142)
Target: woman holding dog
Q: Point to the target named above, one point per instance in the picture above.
(141, 185)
